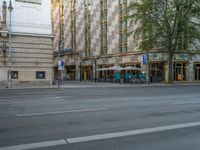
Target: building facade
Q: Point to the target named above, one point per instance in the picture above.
(28, 54)
(94, 34)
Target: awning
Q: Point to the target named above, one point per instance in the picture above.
(114, 68)
(132, 68)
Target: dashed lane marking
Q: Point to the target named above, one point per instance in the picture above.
(61, 112)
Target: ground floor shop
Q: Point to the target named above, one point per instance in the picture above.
(109, 75)
(185, 68)
(197, 71)
(157, 71)
(86, 73)
(180, 71)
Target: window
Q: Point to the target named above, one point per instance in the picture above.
(87, 27)
(123, 25)
(103, 20)
(197, 71)
(73, 25)
(14, 74)
(40, 75)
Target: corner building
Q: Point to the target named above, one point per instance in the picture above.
(31, 42)
(93, 34)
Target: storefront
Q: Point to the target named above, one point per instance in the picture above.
(102, 75)
(86, 73)
(70, 72)
(131, 71)
(157, 71)
(180, 70)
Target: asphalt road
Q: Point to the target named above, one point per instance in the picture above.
(101, 118)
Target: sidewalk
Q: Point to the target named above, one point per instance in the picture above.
(89, 84)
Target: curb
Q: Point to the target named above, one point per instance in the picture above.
(100, 85)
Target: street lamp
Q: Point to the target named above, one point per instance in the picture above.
(4, 13)
(10, 8)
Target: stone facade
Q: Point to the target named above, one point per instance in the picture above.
(82, 67)
(31, 56)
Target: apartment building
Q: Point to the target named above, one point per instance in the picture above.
(93, 34)
(27, 55)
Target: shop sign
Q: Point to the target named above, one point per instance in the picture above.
(145, 59)
(182, 57)
(61, 65)
(155, 56)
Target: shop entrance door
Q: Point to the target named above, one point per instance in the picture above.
(87, 73)
(197, 73)
(180, 69)
(157, 72)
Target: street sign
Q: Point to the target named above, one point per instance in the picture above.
(61, 65)
(145, 59)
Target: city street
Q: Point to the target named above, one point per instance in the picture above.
(101, 118)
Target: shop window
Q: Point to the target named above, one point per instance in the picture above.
(40, 75)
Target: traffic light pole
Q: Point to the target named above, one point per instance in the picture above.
(59, 78)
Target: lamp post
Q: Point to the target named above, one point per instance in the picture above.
(80, 76)
(146, 63)
(4, 13)
(10, 8)
(95, 71)
(60, 49)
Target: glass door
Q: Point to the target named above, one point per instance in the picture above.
(157, 72)
(180, 71)
(88, 73)
(197, 72)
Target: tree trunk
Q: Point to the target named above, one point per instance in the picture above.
(170, 75)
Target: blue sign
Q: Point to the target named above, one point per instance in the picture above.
(145, 59)
(61, 65)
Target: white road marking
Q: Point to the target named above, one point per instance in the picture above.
(184, 103)
(99, 137)
(58, 97)
(131, 133)
(61, 112)
(35, 145)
